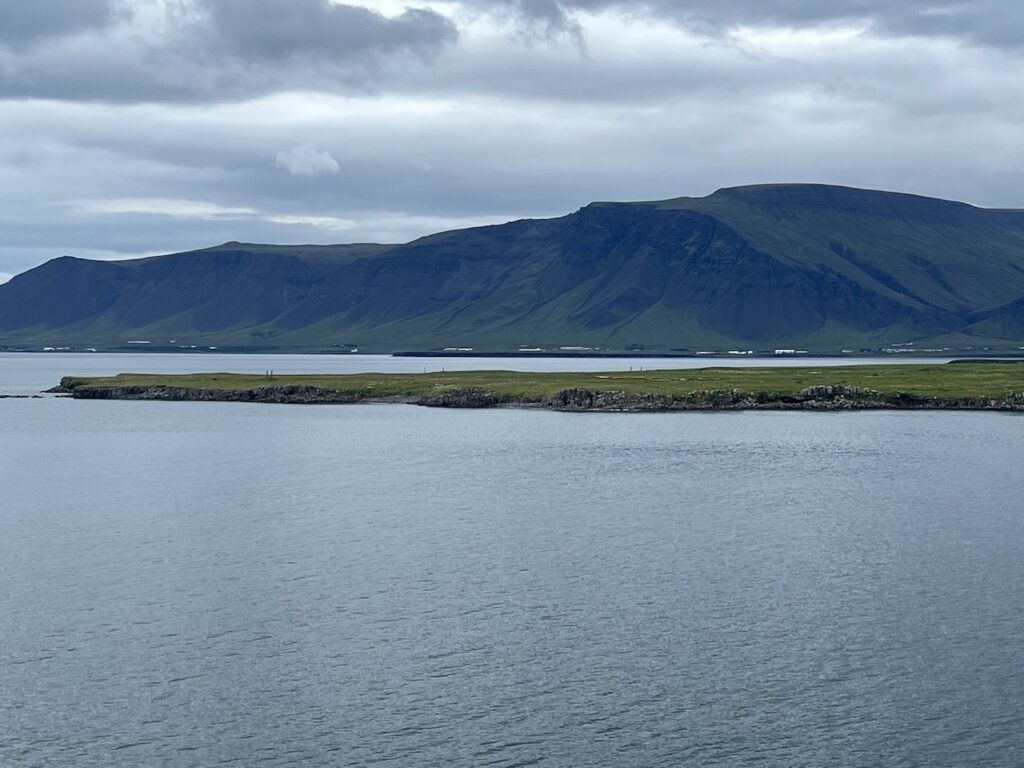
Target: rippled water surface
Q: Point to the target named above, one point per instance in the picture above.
(190, 584)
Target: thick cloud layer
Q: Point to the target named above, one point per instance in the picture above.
(25, 22)
(278, 30)
(209, 50)
(144, 126)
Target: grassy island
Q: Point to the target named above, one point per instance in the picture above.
(975, 385)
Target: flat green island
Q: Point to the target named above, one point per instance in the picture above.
(953, 386)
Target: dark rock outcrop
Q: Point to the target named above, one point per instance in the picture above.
(466, 397)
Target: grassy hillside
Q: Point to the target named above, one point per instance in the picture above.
(806, 266)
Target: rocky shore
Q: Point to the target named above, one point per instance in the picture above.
(816, 398)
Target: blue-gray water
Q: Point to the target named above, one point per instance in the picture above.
(190, 584)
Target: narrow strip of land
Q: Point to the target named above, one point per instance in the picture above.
(967, 386)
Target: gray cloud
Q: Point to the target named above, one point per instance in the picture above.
(321, 30)
(306, 160)
(25, 22)
(988, 22)
(544, 18)
(210, 50)
(216, 50)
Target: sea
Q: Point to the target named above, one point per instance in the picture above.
(205, 584)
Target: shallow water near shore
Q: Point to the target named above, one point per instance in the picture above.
(185, 584)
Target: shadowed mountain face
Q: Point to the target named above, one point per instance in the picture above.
(763, 266)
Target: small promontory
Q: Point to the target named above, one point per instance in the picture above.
(970, 386)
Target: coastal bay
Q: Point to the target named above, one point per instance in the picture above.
(185, 583)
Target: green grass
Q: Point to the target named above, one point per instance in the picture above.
(964, 380)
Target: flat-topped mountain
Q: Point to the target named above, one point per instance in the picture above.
(792, 265)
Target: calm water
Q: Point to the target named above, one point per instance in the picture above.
(190, 584)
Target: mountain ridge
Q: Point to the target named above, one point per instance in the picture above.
(752, 267)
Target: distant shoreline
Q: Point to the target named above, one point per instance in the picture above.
(924, 357)
(639, 354)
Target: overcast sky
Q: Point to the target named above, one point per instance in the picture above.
(132, 127)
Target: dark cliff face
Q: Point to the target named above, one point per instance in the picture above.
(753, 265)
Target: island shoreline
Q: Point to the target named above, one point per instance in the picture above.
(522, 390)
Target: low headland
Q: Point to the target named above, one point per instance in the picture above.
(996, 386)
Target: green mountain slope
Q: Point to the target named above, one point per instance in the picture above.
(758, 267)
